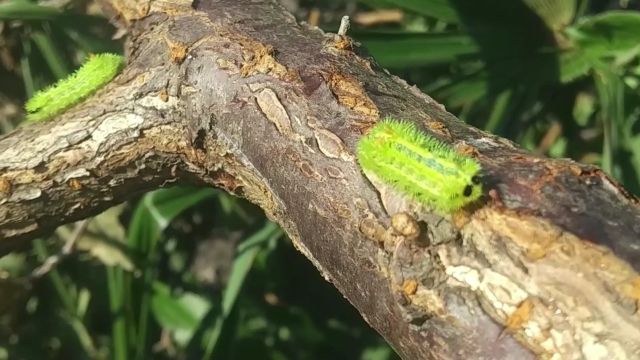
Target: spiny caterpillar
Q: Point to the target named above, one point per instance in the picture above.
(95, 73)
(419, 166)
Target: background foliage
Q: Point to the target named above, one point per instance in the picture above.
(190, 273)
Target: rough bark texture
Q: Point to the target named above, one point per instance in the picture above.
(236, 94)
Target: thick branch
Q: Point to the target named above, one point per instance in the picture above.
(237, 95)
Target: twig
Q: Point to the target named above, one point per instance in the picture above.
(66, 250)
(344, 26)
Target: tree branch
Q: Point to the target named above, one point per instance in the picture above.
(236, 94)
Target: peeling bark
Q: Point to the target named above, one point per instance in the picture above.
(235, 94)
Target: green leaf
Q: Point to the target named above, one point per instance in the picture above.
(182, 312)
(379, 352)
(52, 54)
(583, 108)
(72, 298)
(26, 10)
(559, 148)
(611, 34)
(406, 49)
(26, 68)
(498, 111)
(199, 307)
(153, 214)
(247, 252)
(556, 14)
(633, 145)
(610, 90)
(105, 240)
(574, 64)
(14, 264)
(156, 211)
(439, 9)
(464, 90)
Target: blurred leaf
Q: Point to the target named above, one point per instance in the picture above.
(559, 148)
(152, 215)
(51, 53)
(633, 82)
(556, 14)
(611, 34)
(171, 312)
(157, 209)
(610, 93)
(105, 240)
(71, 298)
(26, 10)
(121, 324)
(13, 264)
(88, 42)
(110, 253)
(25, 67)
(464, 90)
(583, 108)
(402, 50)
(84, 297)
(380, 352)
(574, 64)
(633, 144)
(108, 224)
(499, 109)
(199, 307)
(439, 9)
(247, 252)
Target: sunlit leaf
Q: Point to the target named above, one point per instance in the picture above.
(182, 312)
(556, 14)
(583, 108)
(610, 34)
(105, 240)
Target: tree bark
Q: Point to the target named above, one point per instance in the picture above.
(236, 94)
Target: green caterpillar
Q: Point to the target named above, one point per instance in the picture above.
(95, 73)
(419, 166)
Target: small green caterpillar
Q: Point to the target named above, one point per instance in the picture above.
(95, 73)
(420, 166)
